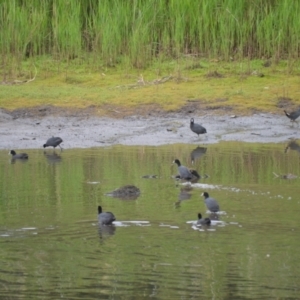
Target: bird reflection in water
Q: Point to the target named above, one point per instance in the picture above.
(214, 216)
(185, 193)
(292, 145)
(106, 230)
(52, 158)
(197, 153)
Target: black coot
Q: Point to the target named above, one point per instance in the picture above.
(105, 218)
(202, 221)
(18, 156)
(184, 172)
(293, 115)
(53, 142)
(197, 128)
(211, 203)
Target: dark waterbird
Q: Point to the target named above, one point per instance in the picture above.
(105, 218)
(18, 156)
(185, 173)
(211, 203)
(197, 128)
(202, 221)
(293, 115)
(53, 142)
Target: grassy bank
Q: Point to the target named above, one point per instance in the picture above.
(247, 86)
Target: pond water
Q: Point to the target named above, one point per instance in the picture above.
(52, 247)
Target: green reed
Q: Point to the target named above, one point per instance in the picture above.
(140, 32)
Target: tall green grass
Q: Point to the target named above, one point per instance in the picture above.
(139, 32)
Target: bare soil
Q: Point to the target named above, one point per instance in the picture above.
(146, 125)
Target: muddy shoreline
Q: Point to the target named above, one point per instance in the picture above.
(83, 129)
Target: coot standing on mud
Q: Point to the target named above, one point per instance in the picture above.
(53, 142)
(197, 128)
(293, 115)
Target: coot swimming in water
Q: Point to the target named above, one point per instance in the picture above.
(18, 156)
(202, 221)
(105, 218)
(211, 203)
(186, 173)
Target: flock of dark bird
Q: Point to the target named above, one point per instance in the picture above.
(107, 218)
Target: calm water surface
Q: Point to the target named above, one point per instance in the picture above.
(52, 247)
